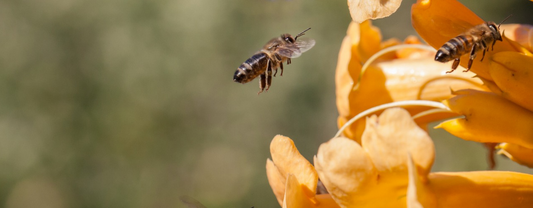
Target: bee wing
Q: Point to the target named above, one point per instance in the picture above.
(305, 44)
(296, 49)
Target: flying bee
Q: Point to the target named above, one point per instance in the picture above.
(271, 57)
(472, 41)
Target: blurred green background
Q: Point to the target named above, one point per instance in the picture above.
(129, 103)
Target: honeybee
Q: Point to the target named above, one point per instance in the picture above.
(472, 41)
(271, 57)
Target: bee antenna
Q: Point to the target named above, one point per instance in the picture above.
(504, 20)
(302, 33)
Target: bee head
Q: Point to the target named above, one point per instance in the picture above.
(495, 30)
(288, 38)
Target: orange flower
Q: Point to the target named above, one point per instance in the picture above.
(374, 173)
(292, 178)
(506, 71)
(385, 159)
(407, 73)
(390, 168)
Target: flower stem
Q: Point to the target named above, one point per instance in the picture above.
(403, 103)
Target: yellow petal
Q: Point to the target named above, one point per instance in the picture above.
(326, 201)
(421, 79)
(352, 54)
(297, 196)
(289, 161)
(512, 72)
(517, 153)
(276, 180)
(346, 170)
(362, 10)
(418, 194)
(438, 21)
(412, 52)
(487, 189)
(489, 118)
(388, 141)
(492, 86)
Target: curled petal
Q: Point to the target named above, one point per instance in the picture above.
(346, 170)
(358, 175)
(276, 180)
(438, 21)
(352, 54)
(389, 139)
(288, 160)
(521, 33)
(482, 189)
(512, 72)
(362, 10)
(517, 153)
(489, 118)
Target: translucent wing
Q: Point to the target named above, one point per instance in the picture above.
(295, 50)
(305, 44)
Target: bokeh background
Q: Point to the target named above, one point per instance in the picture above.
(130, 103)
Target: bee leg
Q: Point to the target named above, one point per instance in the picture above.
(277, 59)
(281, 66)
(482, 57)
(288, 61)
(262, 83)
(484, 48)
(493, 42)
(454, 65)
(268, 76)
(472, 57)
(276, 69)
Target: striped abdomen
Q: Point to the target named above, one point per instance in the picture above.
(455, 48)
(251, 68)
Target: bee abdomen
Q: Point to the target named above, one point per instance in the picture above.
(454, 48)
(251, 68)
